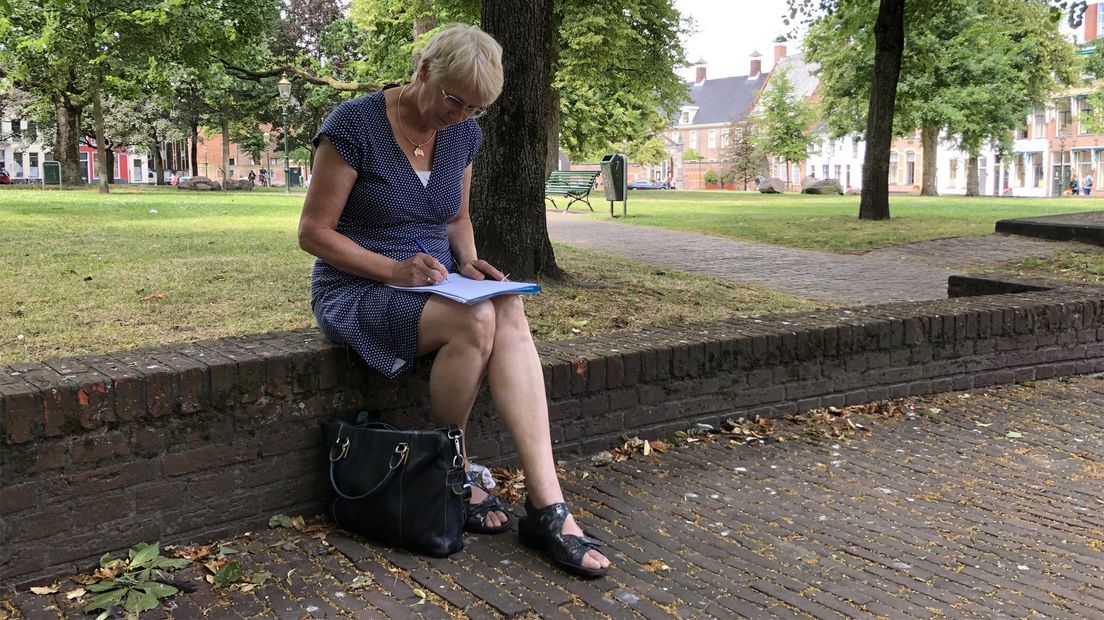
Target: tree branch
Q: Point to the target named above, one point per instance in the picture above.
(257, 76)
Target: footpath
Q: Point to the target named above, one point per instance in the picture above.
(978, 504)
(910, 272)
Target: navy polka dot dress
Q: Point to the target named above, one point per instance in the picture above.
(388, 207)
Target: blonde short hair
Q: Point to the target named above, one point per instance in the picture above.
(465, 54)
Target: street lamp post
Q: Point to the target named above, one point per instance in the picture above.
(284, 88)
(1062, 134)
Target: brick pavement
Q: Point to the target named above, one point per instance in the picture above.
(909, 272)
(938, 513)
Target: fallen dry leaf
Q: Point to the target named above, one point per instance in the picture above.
(152, 298)
(72, 594)
(41, 590)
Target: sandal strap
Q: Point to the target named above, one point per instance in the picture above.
(489, 504)
(566, 549)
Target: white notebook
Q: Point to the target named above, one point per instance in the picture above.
(468, 291)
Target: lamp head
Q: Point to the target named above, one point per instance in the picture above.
(284, 86)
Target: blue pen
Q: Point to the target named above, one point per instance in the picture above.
(421, 247)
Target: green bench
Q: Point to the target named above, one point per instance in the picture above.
(575, 185)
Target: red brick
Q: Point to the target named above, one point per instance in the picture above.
(128, 387)
(20, 412)
(190, 390)
(207, 457)
(99, 447)
(18, 497)
(110, 478)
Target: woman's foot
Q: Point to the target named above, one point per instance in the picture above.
(486, 514)
(552, 529)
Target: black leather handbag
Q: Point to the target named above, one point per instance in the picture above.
(404, 488)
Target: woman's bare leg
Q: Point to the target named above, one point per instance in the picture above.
(517, 388)
(462, 336)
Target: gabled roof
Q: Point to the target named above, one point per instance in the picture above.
(725, 99)
(800, 74)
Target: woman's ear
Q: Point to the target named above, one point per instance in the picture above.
(423, 73)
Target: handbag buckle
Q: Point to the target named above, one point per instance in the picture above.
(402, 451)
(456, 435)
(341, 444)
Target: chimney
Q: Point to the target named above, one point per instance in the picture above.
(779, 50)
(1092, 22)
(756, 65)
(699, 71)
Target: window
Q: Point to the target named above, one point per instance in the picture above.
(1064, 115)
(824, 171)
(1084, 115)
(33, 165)
(910, 168)
(685, 118)
(1021, 132)
(676, 137)
(712, 138)
(952, 179)
(1037, 169)
(32, 131)
(848, 181)
(724, 138)
(838, 168)
(17, 164)
(273, 162)
(231, 161)
(893, 176)
(1040, 124)
(1021, 170)
(694, 140)
(16, 128)
(854, 148)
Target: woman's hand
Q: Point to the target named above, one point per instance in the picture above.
(418, 270)
(480, 269)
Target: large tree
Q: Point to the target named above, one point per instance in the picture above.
(889, 33)
(783, 122)
(971, 71)
(507, 197)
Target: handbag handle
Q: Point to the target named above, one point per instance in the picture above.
(402, 451)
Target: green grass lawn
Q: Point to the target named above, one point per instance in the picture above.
(83, 273)
(827, 222)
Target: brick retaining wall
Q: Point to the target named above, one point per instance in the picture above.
(208, 439)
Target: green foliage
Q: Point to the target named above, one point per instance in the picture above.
(711, 177)
(971, 68)
(136, 585)
(616, 77)
(784, 120)
(692, 155)
(743, 161)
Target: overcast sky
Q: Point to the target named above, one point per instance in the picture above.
(728, 31)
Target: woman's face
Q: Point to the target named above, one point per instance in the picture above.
(450, 102)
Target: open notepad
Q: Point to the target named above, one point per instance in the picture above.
(468, 291)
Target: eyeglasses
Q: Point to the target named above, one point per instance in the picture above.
(459, 104)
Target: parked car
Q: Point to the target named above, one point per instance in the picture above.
(647, 184)
(5, 178)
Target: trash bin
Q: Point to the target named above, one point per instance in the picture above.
(51, 173)
(613, 176)
(295, 176)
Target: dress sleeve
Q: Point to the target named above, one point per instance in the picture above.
(345, 128)
(474, 141)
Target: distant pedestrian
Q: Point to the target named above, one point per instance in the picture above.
(1086, 184)
(1073, 186)
(252, 177)
(264, 177)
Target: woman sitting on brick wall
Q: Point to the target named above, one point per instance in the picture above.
(392, 175)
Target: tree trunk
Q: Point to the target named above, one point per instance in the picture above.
(972, 175)
(109, 165)
(507, 196)
(67, 147)
(158, 162)
(929, 142)
(101, 147)
(889, 37)
(195, 149)
(226, 151)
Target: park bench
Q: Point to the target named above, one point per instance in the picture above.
(575, 185)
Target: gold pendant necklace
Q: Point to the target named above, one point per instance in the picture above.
(418, 152)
